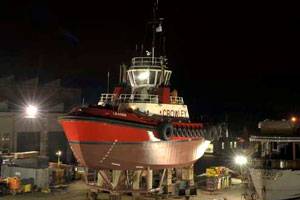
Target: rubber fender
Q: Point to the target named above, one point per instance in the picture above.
(179, 132)
(202, 133)
(185, 132)
(166, 131)
(194, 133)
(175, 132)
(190, 133)
(197, 132)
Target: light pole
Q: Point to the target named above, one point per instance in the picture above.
(58, 153)
(241, 161)
(32, 112)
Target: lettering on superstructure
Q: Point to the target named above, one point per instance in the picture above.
(174, 113)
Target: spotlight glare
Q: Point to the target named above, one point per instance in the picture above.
(293, 119)
(31, 111)
(240, 160)
(143, 75)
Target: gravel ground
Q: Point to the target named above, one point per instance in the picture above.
(234, 193)
(77, 191)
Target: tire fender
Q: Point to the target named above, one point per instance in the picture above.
(166, 131)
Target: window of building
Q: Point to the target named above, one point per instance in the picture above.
(274, 146)
(4, 141)
(28, 141)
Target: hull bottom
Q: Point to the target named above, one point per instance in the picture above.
(139, 155)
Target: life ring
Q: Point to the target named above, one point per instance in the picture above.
(166, 131)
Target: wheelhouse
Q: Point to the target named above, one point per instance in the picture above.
(148, 72)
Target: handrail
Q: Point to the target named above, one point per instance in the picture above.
(107, 97)
(274, 138)
(176, 100)
(140, 61)
(275, 164)
(137, 98)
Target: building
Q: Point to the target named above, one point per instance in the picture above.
(41, 133)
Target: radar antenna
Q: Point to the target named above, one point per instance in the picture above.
(156, 27)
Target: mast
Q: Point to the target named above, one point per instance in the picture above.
(156, 27)
(154, 23)
(147, 73)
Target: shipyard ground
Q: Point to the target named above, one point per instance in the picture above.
(77, 191)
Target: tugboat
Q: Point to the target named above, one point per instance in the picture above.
(141, 125)
(275, 168)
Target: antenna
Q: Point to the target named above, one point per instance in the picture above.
(142, 49)
(108, 82)
(136, 49)
(154, 23)
(164, 46)
(124, 70)
(120, 74)
(156, 28)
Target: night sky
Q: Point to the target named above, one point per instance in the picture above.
(230, 61)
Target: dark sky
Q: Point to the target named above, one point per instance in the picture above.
(229, 58)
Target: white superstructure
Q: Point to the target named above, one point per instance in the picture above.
(148, 79)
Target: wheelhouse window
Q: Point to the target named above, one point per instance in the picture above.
(148, 77)
(152, 77)
(141, 77)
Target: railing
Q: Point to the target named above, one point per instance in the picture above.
(275, 164)
(274, 138)
(176, 100)
(147, 61)
(106, 97)
(138, 98)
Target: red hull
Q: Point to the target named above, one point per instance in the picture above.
(92, 130)
(102, 143)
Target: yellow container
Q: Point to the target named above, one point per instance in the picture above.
(211, 172)
(27, 188)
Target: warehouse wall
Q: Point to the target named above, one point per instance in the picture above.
(43, 133)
